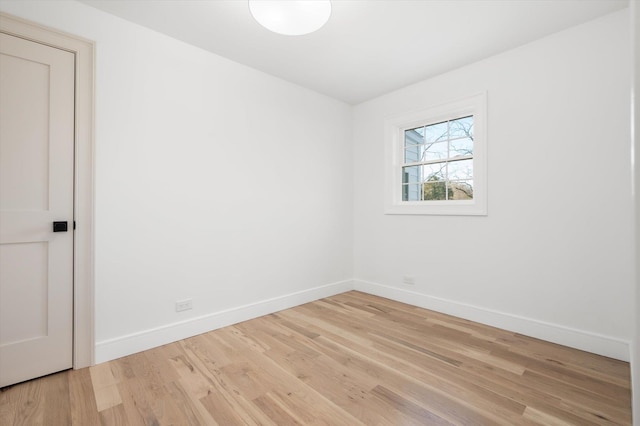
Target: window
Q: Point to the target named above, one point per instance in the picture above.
(436, 160)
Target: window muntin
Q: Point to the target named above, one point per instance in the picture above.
(438, 161)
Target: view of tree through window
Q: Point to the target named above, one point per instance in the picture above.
(438, 161)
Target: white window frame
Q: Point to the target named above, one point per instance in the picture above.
(394, 157)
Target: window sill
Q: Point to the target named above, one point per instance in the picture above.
(460, 208)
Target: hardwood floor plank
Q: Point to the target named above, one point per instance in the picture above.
(105, 387)
(589, 402)
(617, 394)
(419, 414)
(275, 411)
(160, 361)
(406, 345)
(136, 401)
(542, 418)
(84, 410)
(113, 416)
(223, 410)
(194, 413)
(135, 415)
(57, 404)
(530, 346)
(350, 359)
(193, 379)
(28, 400)
(281, 336)
(8, 412)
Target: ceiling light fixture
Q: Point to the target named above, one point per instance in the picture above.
(291, 17)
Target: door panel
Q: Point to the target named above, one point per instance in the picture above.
(36, 188)
(27, 163)
(28, 300)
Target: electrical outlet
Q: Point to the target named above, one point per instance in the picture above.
(409, 279)
(184, 305)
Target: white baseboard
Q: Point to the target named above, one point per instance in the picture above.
(579, 339)
(137, 342)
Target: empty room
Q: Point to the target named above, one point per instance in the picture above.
(345, 212)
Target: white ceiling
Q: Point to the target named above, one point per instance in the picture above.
(368, 47)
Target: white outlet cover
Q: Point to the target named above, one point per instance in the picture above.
(408, 279)
(184, 305)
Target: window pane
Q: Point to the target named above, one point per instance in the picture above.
(413, 153)
(462, 127)
(427, 152)
(435, 151)
(434, 172)
(461, 190)
(411, 192)
(412, 174)
(435, 191)
(436, 132)
(461, 147)
(460, 170)
(414, 136)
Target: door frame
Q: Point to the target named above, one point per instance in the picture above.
(83, 209)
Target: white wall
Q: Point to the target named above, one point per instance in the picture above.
(553, 258)
(214, 182)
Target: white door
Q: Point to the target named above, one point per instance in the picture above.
(36, 189)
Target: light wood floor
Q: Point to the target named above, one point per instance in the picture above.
(346, 360)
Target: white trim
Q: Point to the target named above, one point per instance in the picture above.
(634, 23)
(578, 339)
(147, 339)
(83, 261)
(475, 105)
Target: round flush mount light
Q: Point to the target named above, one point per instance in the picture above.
(291, 17)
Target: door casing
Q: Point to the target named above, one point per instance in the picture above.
(83, 260)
